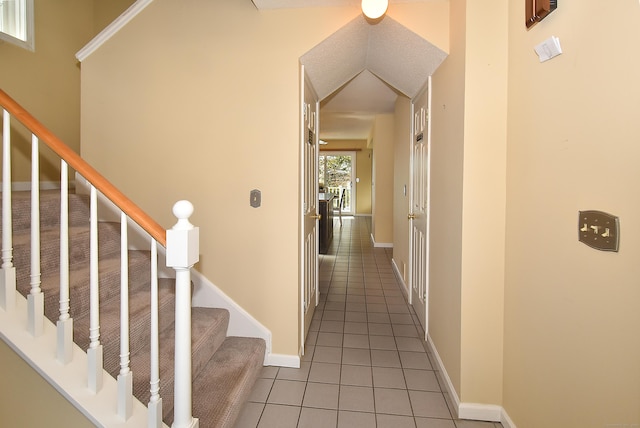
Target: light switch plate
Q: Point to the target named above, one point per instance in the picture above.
(599, 230)
(255, 198)
(548, 49)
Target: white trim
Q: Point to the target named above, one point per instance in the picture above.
(381, 244)
(241, 323)
(112, 29)
(469, 411)
(25, 186)
(69, 380)
(506, 420)
(443, 372)
(282, 360)
(405, 288)
(25, 10)
(480, 412)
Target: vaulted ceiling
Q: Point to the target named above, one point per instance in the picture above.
(359, 70)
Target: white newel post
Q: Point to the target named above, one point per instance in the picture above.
(183, 247)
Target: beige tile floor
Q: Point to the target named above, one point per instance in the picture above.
(365, 363)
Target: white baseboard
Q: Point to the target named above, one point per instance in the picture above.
(470, 411)
(282, 360)
(506, 420)
(405, 288)
(241, 323)
(381, 244)
(443, 372)
(480, 412)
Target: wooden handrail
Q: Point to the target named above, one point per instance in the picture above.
(134, 212)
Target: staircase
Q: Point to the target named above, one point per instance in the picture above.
(224, 368)
(145, 346)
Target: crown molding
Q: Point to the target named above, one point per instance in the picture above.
(112, 29)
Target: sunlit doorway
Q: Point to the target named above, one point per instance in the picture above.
(337, 173)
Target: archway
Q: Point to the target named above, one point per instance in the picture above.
(388, 50)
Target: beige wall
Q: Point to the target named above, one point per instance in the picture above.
(105, 11)
(522, 315)
(401, 181)
(47, 82)
(363, 169)
(23, 388)
(204, 108)
(468, 167)
(484, 200)
(572, 354)
(382, 170)
(445, 233)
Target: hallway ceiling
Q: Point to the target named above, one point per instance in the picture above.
(360, 70)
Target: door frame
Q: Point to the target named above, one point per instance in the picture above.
(427, 87)
(305, 110)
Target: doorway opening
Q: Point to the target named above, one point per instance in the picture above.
(336, 174)
(403, 62)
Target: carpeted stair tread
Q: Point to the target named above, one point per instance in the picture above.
(139, 321)
(108, 246)
(49, 210)
(226, 381)
(109, 283)
(208, 331)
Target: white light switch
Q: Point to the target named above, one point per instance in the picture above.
(548, 49)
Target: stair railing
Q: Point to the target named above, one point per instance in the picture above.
(181, 243)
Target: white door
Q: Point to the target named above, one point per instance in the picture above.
(309, 197)
(418, 214)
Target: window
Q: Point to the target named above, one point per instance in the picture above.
(16, 22)
(336, 172)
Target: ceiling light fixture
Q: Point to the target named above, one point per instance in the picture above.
(374, 9)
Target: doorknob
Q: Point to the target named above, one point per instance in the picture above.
(411, 216)
(316, 216)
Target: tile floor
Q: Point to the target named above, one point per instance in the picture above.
(365, 364)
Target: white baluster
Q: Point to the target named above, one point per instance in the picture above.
(65, 322)
(182, 254)
(125, 378)
(94, 353)
(8, 276)
(35, 299)
(155, 401)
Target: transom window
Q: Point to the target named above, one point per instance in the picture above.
(16, 22)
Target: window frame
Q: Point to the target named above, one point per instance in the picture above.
(29, 23)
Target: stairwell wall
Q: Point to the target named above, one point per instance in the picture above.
(201, 100)
(47, 81)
